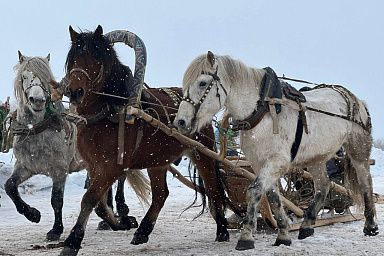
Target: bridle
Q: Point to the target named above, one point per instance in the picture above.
(215, 81)
(46, 91)
(93, 82)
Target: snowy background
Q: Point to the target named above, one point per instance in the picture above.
(175, 233)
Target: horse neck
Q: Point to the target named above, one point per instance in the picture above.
(92, 106)
(244, 94)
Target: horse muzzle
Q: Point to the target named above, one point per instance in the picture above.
(37, 103)
(76, 96)
(183, 126)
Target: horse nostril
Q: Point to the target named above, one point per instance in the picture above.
(31, 99)
(79, 93)
(181, 123)
(76, 95)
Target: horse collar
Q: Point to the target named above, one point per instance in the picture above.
(52, 121)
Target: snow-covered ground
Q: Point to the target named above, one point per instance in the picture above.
(175, 233)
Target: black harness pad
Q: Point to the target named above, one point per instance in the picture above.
(271, 87)
(292, 93)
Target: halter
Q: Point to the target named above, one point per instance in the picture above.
(33, 85)
(97, 79)
(215, 80)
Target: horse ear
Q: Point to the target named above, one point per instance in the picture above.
(211, 58)
(48, 58)
(99, 31)
(21, 56)
(73, 34)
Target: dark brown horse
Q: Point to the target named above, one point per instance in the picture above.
(92, 66)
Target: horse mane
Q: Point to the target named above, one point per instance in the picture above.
(38, 66)
(235, 71)
(117, 75)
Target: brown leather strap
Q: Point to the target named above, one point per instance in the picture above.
(254, 119)
(120, 137)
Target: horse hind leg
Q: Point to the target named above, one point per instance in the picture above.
(364, 179)
(20, 175)
(281, 218)
(104, 211)
(358, 149)
(160, 193)
(103, 225)
(321, 184)
(57, 205)
(209, 173)
(121, 206)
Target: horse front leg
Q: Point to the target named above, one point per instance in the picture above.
(57, 205)
(100, 182)
(274, 200)
(267, 178)
(215, 192)
(321, 184)
(19, 175)
(160, 192)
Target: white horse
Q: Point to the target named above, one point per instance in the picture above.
(41, 144)
(334, 118)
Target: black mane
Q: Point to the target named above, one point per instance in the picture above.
(118, 77)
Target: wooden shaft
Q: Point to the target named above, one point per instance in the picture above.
(184, 180)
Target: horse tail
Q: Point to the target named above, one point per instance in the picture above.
(140, 185)
(351, 183)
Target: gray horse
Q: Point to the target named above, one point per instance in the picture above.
(43, 142)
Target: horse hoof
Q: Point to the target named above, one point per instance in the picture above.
(52, 236)
(129, 222)
(305, 232)
(245, 245)
(103, 225)
(286, 242)
(139, 239)
(371, 231)
(222, 237)
(33, 215)
(67, 251)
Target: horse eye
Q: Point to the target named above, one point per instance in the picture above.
(202, 84)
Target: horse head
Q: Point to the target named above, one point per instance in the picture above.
(85, 65)
(31, 83)
(93, 67)
(204, 94)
